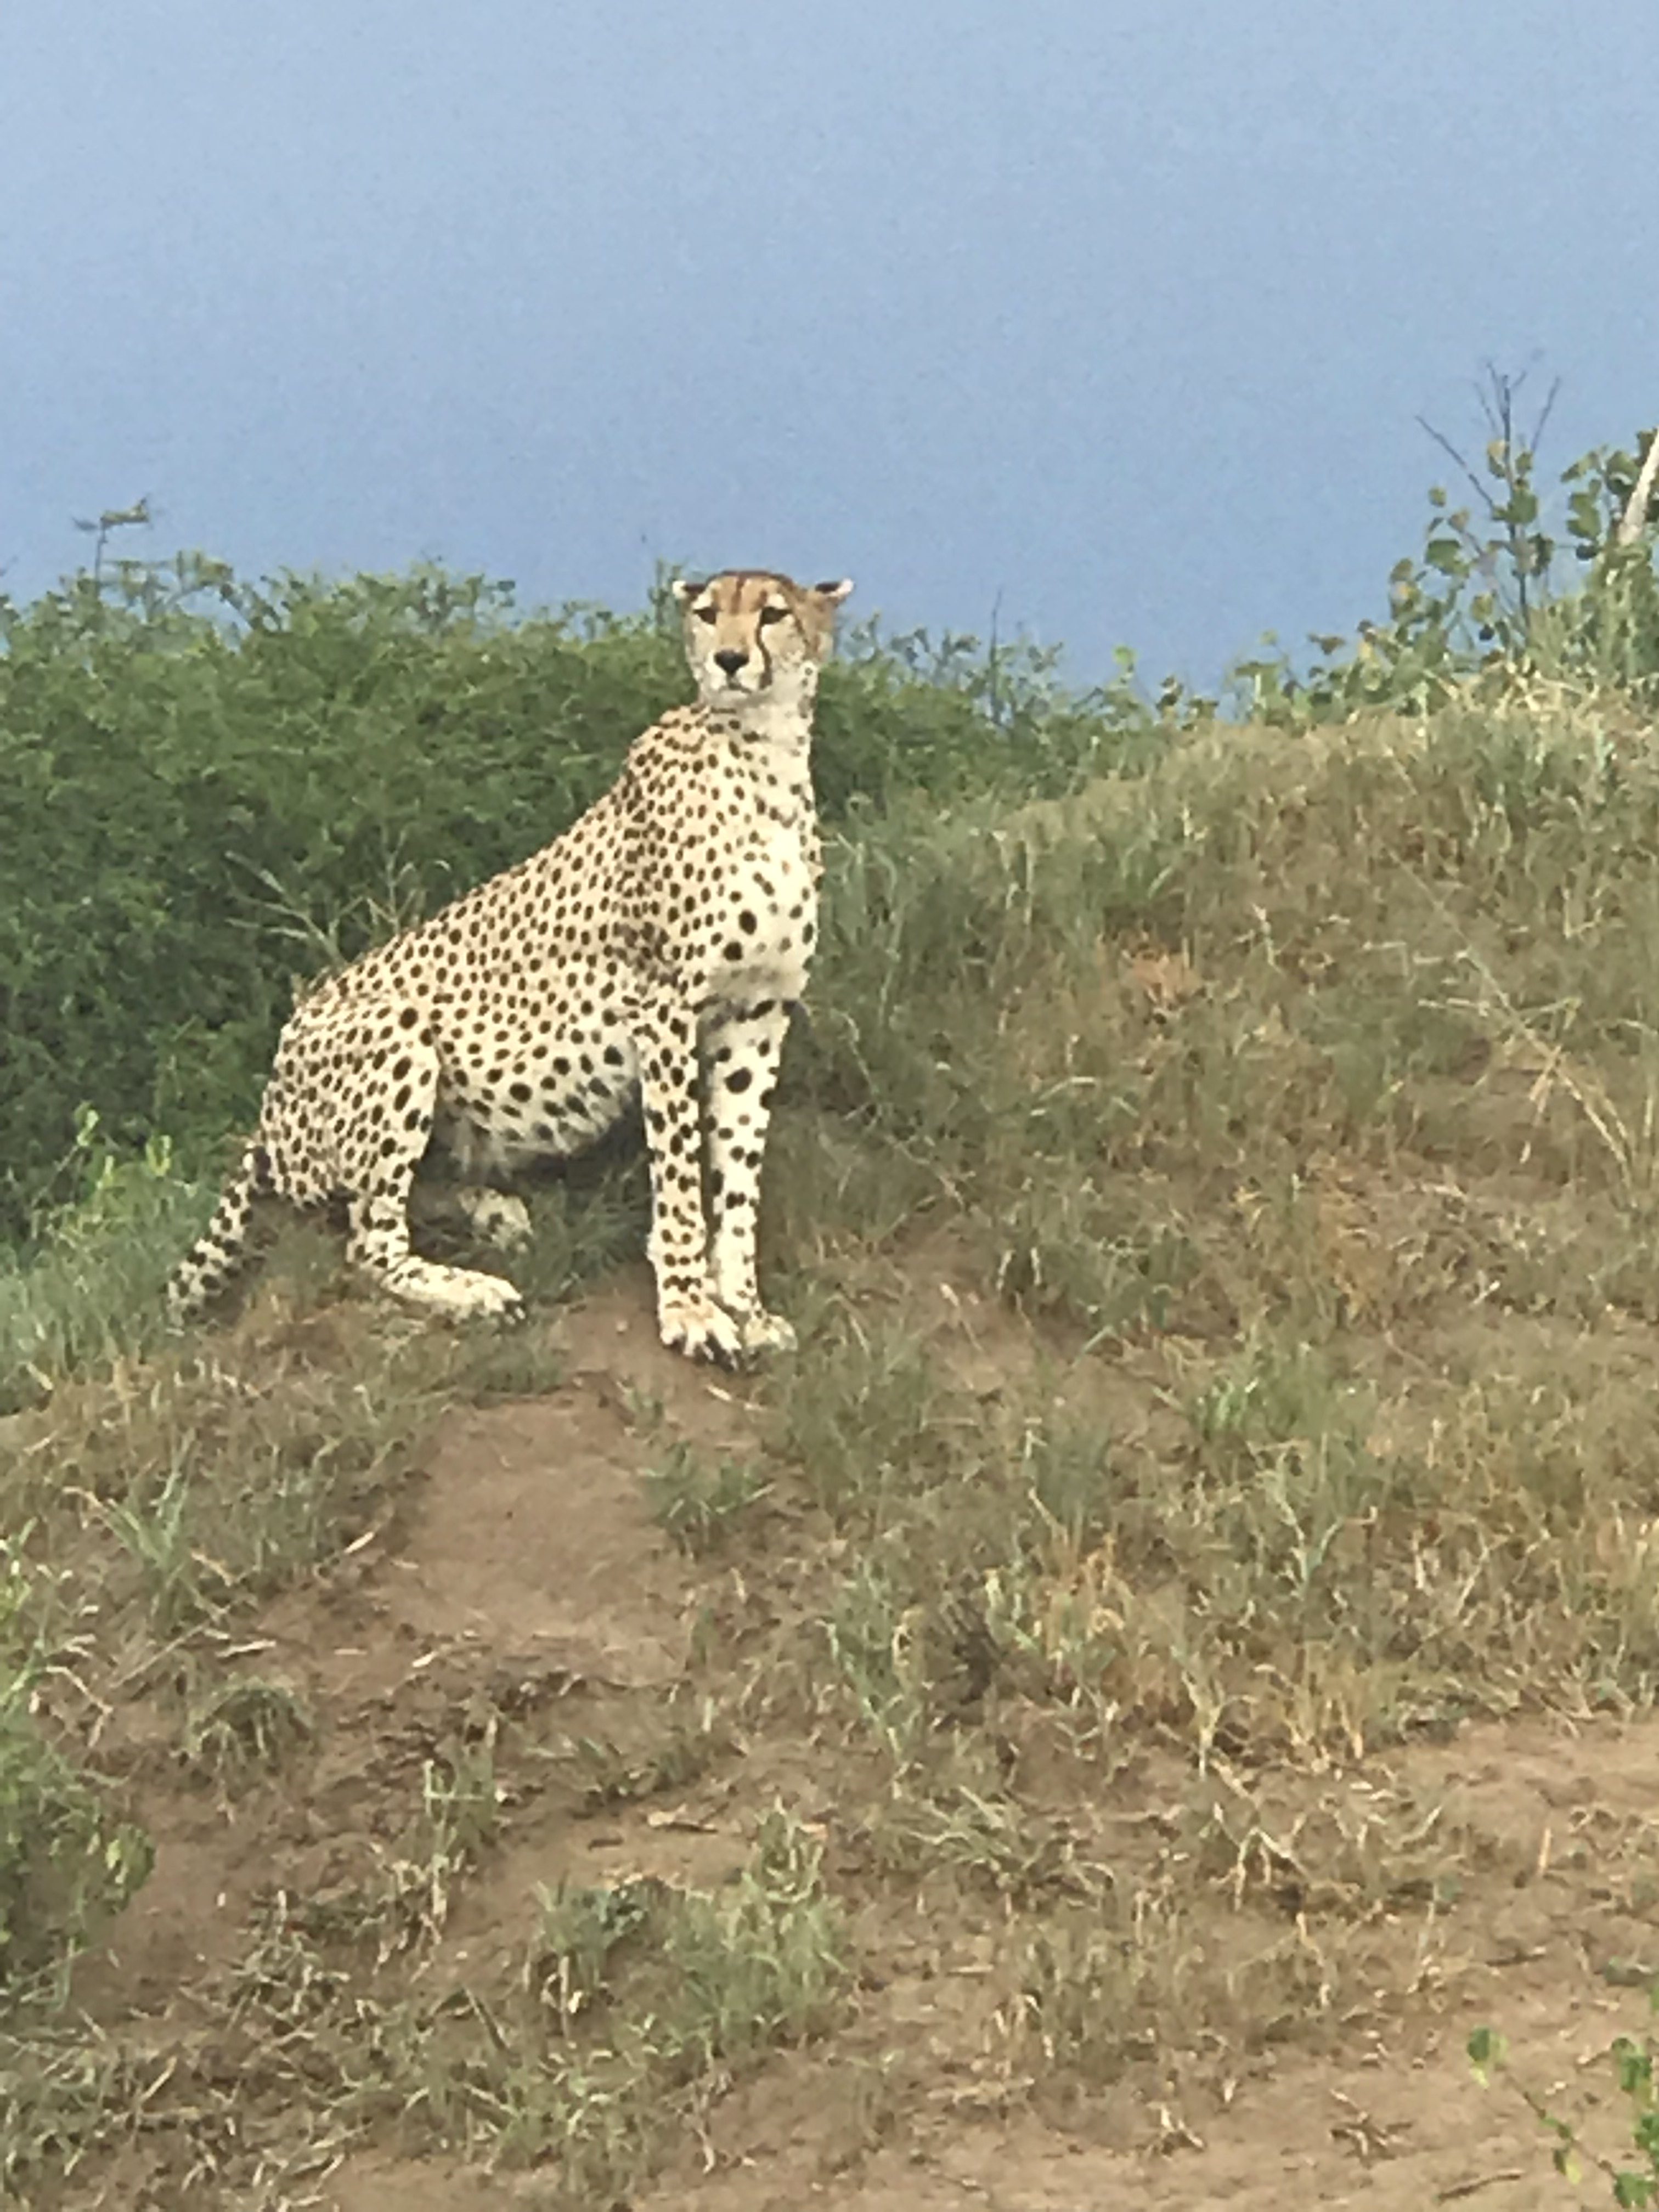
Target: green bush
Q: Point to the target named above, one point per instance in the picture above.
(1487, 600)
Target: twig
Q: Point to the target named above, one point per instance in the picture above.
(1449, 2195)
(1446, 446)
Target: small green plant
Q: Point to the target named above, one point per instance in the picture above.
(568, 1966)
(989, 1841)
(1632, 2067)
(762, 1963)
(648, 2000)
(859, 1417)
(1062, 1252)
(181, 1583)
(238, 1729)
(460, 1810)
(611, 1774)
(1089, 1981)
(878, 1660)
(69, 1860)
(698, 1502)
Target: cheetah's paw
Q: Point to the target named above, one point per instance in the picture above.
(699, 1328)
(760, 1331)
(491, 1297)
(498, 1216)
(458, 1293)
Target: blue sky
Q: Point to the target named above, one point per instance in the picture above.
(1110, 319)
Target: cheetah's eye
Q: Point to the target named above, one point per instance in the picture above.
(772, 615)
(704, 614)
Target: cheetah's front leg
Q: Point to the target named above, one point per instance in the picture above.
(742, 1048)
(690, 1319)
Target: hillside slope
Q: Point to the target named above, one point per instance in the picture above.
(1170, 1655)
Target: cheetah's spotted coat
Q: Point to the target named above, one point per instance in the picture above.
(660, 941)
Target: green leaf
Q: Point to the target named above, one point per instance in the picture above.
(1487, 2048)
(1520, 508)
(1634, 2063)
(1584, 518)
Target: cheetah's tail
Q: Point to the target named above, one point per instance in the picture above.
(223, 1250)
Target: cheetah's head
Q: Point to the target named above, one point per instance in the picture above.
(754, 637)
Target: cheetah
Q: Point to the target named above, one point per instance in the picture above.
(658, 945)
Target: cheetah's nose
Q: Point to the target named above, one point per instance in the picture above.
(731, 659)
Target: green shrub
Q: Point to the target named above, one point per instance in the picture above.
(1488, 600)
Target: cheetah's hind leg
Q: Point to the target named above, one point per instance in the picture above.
(379, 1244)
(379, 1169)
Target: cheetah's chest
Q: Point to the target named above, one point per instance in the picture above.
(766, 917)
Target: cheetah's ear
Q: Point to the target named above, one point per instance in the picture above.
(835, 593)
(684, 590)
